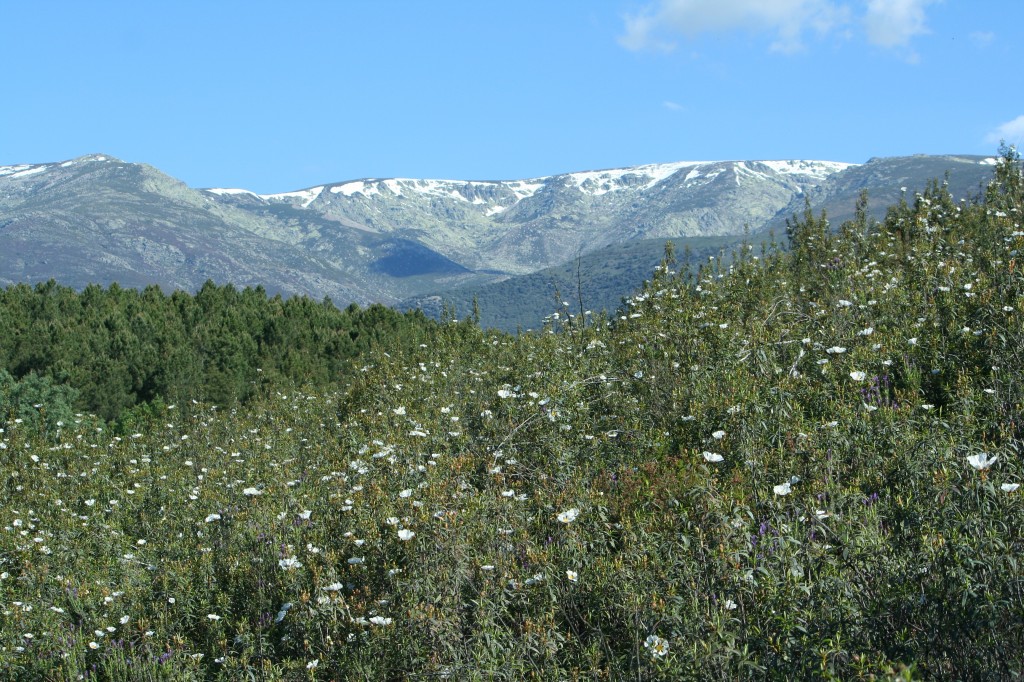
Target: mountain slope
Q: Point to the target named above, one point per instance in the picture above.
(99, 219)
(612, 272)
(595, 282)
(888, 180)
(521, 226)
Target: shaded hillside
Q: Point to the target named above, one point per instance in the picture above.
(889, 180)
(594, 282)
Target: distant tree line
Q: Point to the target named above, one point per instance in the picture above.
(107, 350)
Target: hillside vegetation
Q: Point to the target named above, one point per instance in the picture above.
(595, 281)
(800, 464)
(118, 352)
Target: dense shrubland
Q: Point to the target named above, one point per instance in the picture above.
(122, 351)
(795, 463)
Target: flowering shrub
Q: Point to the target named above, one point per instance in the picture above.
(749, 472)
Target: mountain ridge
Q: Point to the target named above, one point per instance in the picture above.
(97, 218)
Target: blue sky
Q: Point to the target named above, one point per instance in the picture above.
(278, 96)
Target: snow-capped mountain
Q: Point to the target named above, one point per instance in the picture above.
(521, 226)
(99, 219)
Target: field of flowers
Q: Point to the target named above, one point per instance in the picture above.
(795, 463)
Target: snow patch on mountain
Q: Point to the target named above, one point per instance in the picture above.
(644, 177)
(818, 170)
(222, 191)
(306, 196)
(355, 187)
(23, 170)
(13, 170)
(30, 171)
(524, 189)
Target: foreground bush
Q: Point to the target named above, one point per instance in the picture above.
(798, 465)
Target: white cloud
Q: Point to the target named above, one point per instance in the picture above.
(639, 35)
(673, 106)
(886, 23)
(1012, 132)
(892, 23)
(788, 20)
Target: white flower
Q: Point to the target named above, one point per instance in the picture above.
(867, 331)
(835, 350)
(213, 616)
(406, 534)
(913, 341)
(405, 493)
(657, 645)
(312, 664)
(858, 376)
(304, 515)
(380, 620)
(572, 575)
(712, 457)
(783, 488)
(289, 563)
(1009, 487)
(213, 517)
(400, 410)
(250, 492)
(333, 587)
(730, 604)
(356, 560)
(505, 393)
(981, 462)
(718, 435)
(569, 515)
